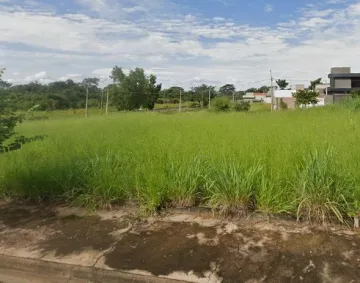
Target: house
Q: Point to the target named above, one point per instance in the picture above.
(342, 83)
(322, 89)
(249, 97)
(259, 96)
(286, 96)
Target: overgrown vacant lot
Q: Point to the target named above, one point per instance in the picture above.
(304, 163)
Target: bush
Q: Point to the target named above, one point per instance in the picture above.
(194, 105)
(221, 103)
(283, 105)
(242, 106)
(174, 101)
(160, 101)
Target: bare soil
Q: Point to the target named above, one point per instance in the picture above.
(190, 247)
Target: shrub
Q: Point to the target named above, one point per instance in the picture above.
(242, 106)
(283, 105)
(221, 103)
(174, 101)
(194, 105)
(160, 101)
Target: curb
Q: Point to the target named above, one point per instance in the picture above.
(68, 272)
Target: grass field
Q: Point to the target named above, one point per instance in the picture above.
(304, 163)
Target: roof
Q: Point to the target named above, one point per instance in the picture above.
(259, 94)
(284, 93)
(249, 95)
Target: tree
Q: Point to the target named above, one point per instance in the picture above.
(264, 89)
(228, 90)
(253, 89)
(88, 83)
(134, 90)
(201, 94)
(152, 93)
(305, 97)
(314, 83)
(173, 94)
(8, 120)
(282, 84)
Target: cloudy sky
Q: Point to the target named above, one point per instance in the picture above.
(184, 42)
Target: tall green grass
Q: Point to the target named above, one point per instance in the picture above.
(304, 163)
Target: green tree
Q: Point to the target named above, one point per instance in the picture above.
(8, 120)
(264, 89)
(228, 90)
(253, 89)
(134, 90)
(172, 94)
(282, 84)
(152, 93)
(314, 83)
(305, 97)
(89, 83)
(201, 94)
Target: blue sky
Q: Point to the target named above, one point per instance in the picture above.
(184, 42)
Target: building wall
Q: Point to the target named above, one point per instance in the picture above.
(342, 83)
(290, 101)
(341, 70)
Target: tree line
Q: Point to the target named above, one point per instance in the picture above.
(130, 91)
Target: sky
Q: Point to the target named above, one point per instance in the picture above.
(183, 42)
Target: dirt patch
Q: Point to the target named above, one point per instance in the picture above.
(240, 254)
(74, 234)
(26, 218)
(169, 249)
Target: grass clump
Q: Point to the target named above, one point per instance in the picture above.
(322, 188)
(231, 187)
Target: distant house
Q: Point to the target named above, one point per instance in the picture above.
(286, 96)
(259, 96)
(249, 97)
(342, 83)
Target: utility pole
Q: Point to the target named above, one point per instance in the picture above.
(86, 101)
(209, 98)
(233, 96)
(180, 102)
(107, 101)
(102, 101)
(272, 91)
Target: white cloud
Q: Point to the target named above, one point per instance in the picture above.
(268, 8)
(173, 46)
(134, 9)
(41, 77)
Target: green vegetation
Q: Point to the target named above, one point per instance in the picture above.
(306, 97)
(221, 103)
(242, 106)
(275, 163)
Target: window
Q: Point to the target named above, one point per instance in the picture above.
(355, 82)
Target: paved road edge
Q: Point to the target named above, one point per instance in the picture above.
(68, 271)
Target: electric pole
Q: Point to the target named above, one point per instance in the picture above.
(86, 101)
(180, 102)
(272, 91)
(209, 98)
(102, 101)
(107, 101)
(233, 96)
